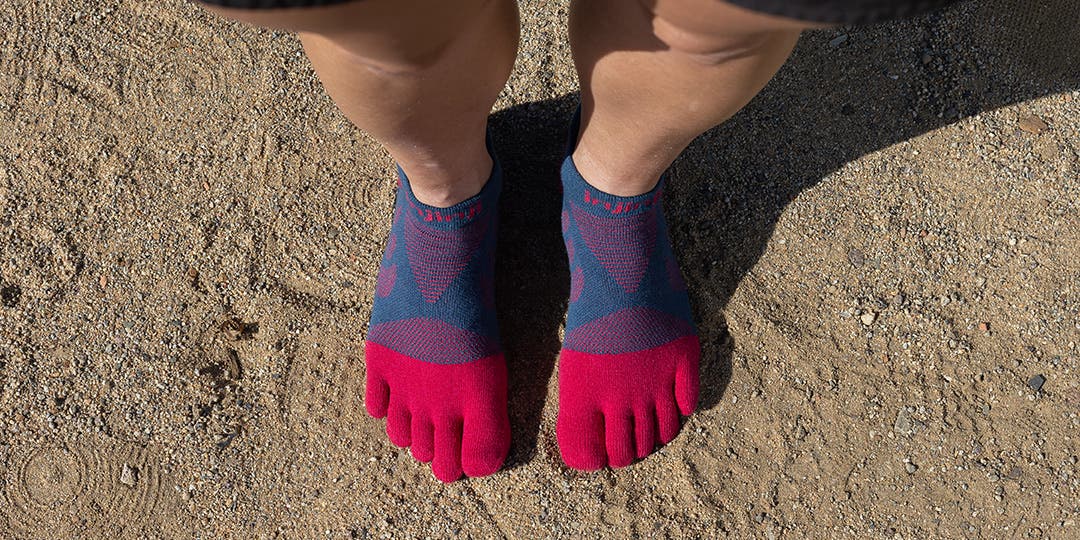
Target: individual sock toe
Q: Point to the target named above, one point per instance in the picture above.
(581, 440)
(484, 444)
(645, 431)
(667, 419)
(398, 424)
(687, 383)
(447, 462)
(377, 395)
(423, 439)
(619, 438)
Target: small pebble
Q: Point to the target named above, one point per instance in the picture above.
(911, 467)
(903, 424)
(1031, 123)
(232, 365)
(856, 258)
(868, 318)
(129, 475)
(1036, 382)
(235, 328)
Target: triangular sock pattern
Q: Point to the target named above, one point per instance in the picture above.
(449, 255)
(435, 370)
(629, 363)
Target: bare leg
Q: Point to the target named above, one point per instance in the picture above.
(654, 75)
(420, 76)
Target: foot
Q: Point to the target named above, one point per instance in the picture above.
(629, 362)
(435, 370)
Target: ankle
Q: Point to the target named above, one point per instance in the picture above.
(615, 177)
(443, 186)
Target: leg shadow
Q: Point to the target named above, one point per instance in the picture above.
(533, 280)
(834, 101)
(839, 99)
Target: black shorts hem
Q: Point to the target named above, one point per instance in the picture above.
(842, 11)
(273, 4)
(816, 11)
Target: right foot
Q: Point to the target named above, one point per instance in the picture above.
(435, 370)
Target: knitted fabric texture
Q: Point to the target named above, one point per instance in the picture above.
(434, 366)
(630, 355)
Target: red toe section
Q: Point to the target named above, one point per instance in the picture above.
(423, 439)
(645, 430)
(619, 437)
(687, 387)
(447, 462)
(485, 441)
(453, 415)
(581, 438)
(667, 418)
(376, 396)
(633, 390)
(399, 424)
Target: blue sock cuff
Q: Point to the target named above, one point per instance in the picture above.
(585, 195)
(464, 212)
(594, 201)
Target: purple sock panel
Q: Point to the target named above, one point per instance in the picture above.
(625, 280)
(435, 297)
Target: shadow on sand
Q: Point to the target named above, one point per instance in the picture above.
(838, 98)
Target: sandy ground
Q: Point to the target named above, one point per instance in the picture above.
(883, 251)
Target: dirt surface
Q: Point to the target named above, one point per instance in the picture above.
(883, 252)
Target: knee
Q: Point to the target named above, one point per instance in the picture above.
(388, 56)
(718, 32)
(406, 38)
(712, 49)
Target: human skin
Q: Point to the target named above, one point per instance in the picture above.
(419, 76)
(655, 74)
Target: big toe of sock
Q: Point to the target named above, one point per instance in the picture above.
(452, 416)
(485, 440)
(614, 409)
(581, 437)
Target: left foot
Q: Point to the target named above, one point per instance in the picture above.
(629, 362)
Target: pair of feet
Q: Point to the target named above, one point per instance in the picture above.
(629, 361)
